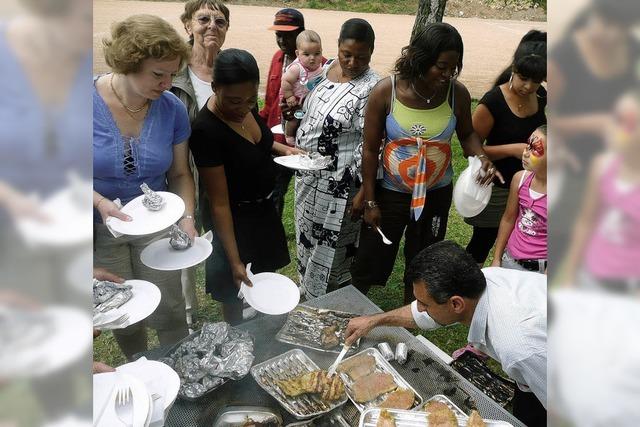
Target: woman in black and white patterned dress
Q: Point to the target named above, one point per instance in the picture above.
(326, 225)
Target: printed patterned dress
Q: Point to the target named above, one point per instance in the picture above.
(325, 235)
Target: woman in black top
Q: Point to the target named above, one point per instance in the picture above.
(232, 148)
(506, 116)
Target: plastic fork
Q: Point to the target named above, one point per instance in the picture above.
(384, 238)
(123, 398)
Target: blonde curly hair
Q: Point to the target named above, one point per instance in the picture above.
(141, 37)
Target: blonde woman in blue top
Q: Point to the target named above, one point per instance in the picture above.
(140, 131)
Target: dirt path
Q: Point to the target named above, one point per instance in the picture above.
(489, 44)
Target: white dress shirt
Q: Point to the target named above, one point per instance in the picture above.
(510, 325)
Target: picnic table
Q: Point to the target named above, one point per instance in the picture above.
(424, 370)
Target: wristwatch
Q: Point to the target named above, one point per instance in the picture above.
(370, 204)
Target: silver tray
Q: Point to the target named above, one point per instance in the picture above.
(381, 366)
(288, 365)
(236, 416)
(369, 418)
(327, 420)
(304, 325)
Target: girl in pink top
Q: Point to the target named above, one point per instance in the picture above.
(522, 237)
(606, 241)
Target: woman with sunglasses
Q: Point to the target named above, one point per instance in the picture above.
(415, 112)
(206, 23)
(505, 117)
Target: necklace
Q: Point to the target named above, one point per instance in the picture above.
(130, 111)
(427, 100)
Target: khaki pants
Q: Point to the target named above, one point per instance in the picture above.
(121, 256)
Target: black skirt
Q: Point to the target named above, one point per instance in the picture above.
(261, 241)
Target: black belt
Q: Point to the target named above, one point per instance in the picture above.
(252, 202)
(531, 264)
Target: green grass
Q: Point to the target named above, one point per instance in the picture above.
(387, 298)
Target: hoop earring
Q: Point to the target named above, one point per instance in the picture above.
(511, 82)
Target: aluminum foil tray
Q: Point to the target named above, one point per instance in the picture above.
(304, 326)
(288, 365)
(333, 419)
(369, 418)
(382, 365)
(236, 416)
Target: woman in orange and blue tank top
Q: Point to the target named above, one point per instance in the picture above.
(415, 112)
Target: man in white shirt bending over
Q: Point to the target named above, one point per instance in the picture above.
(506, 311)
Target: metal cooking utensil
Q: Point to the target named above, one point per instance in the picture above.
(384, 238)
(334, 365)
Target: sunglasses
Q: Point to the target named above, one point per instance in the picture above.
(535, 146)
(206, 19)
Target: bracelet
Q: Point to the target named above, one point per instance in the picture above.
(187, 217)
(370, 204)
(481, 156)
(100, 201)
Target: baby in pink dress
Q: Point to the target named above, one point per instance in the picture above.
(300, 76)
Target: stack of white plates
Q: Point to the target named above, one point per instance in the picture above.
(154, 387)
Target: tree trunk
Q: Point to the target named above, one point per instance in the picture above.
(429, 11)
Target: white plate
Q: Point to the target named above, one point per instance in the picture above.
(159, 255)
(277, 130)
(69, 222)
(145, 300)
(293, 162)
(59, 341)
(272, 293)
(104, 403)
(145, 221)
(157, 376)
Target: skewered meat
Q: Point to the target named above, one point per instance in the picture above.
(385, 420)
(399, 399)
(358, 367)
(475, 420)
(328, 336)
(371, 386)
(330, 388)
(440, 415)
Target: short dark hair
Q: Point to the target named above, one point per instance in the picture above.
(424, 49)
(446, 270)
(235, 66)
(359, 30)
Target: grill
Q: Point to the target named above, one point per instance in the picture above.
(428, 375)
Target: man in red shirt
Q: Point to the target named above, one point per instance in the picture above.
(288, 24)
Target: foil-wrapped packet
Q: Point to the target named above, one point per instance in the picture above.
(151, 200)
(210, 357)
(315, 160)
(179, 240)
(109, 295)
